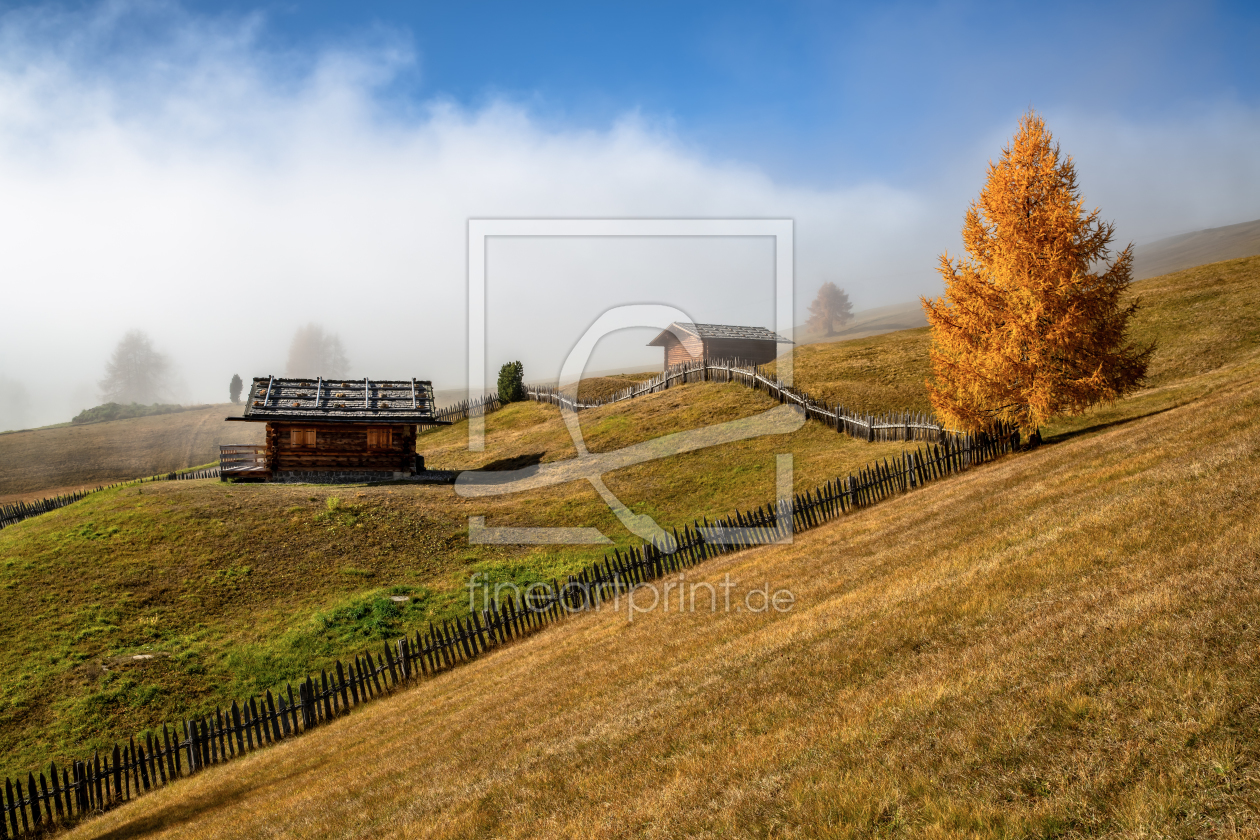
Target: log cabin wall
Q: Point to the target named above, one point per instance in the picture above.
(677, 352)
(751, 351)
(340, 447)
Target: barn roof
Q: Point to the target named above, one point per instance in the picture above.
(341, 400)
(704, 331)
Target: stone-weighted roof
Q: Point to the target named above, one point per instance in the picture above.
(729, 331)
(341, 400)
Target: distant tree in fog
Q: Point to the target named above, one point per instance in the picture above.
(234, 388)
(831, 305)
(15, 405)
(136, 373)
(315, 352)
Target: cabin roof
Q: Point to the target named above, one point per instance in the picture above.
(703, 331)
(341, 400)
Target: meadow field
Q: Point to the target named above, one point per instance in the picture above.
(236, 588)
(46, 462)
(1060, 644)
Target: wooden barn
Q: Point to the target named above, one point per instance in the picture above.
(330, 431)
(756, 345)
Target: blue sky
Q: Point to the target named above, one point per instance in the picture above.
(161, 158)
(820, 92)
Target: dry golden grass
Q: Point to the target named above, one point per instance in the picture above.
(44, 462)
(1063, 643)
(529, 428)
(602, 387)
(1200, 319)
(883, 373)
(1044, 647)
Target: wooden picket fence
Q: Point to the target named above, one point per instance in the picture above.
(468, 408)
(893, 425)
(80, 788)
(16, 512)
(887, 426)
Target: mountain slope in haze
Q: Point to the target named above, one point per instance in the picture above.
(44, 462)
(1192, 249)
(869, 322)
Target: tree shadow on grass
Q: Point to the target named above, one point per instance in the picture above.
(531, 459)
(190, 808)
(1063, 437)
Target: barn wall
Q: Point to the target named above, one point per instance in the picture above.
(340, 447)
(743, 349)
(677, 352)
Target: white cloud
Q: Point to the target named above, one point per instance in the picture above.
(218, 195)
(1158, 178)
(1154, 176)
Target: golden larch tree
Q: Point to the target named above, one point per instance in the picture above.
(1033, 324)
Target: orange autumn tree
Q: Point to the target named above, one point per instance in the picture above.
(1032, 325)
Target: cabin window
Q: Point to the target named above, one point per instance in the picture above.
(302, 437)
(380, 438)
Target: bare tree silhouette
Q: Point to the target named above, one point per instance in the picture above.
(316, 352)
(136, 372)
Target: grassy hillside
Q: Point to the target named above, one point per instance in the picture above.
(876, 374)
(1201, 319)
(1059, 644)
(602, 387)
(1177, 253)
(236, 588)
(44, 462)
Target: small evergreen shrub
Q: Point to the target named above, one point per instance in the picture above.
(511, 382)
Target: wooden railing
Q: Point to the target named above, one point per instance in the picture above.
(892, 425)
(885, 426)
(242, 458)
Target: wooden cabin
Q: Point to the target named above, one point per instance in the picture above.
(330, 431)
(687, 342)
